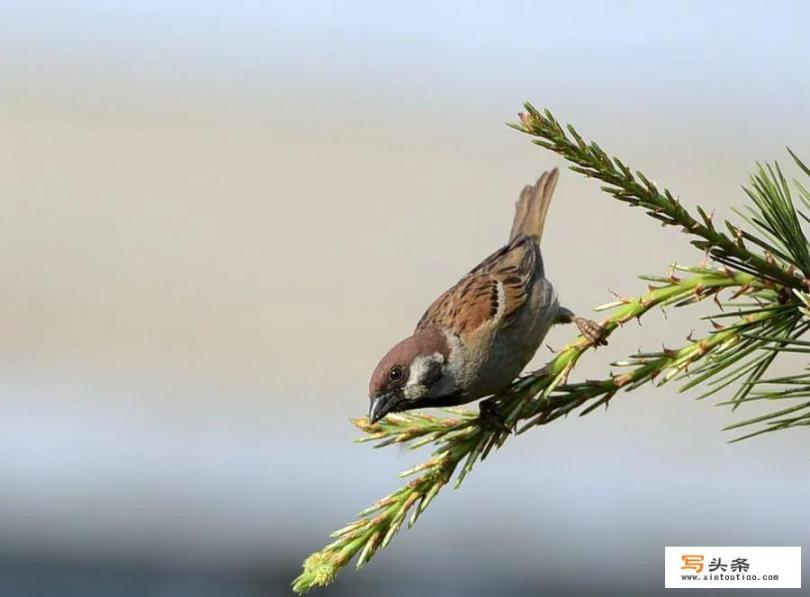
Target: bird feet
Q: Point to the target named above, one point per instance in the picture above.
(491, 417)
(591, 330)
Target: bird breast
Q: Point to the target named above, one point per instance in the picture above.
(495, 355)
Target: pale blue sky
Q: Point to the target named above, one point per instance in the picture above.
(688, 57)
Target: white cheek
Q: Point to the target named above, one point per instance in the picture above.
(413, 391)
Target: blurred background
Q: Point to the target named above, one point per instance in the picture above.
(216, 216)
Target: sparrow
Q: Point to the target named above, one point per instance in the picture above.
(477, 337)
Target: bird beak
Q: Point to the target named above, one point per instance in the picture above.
(381, 406)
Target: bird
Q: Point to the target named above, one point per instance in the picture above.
(479, 335)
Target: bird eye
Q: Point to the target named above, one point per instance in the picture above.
(395, 374)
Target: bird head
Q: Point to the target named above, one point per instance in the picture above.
(414, 370)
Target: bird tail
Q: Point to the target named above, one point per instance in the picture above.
(532, 207)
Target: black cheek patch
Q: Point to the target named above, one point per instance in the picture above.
(433, 373)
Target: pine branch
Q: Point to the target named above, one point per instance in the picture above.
(636, 189)
(539, 398)
(782, 256)
(775, 216)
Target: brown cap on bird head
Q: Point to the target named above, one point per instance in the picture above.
(385, 390)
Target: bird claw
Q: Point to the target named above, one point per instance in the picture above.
(592, 331)
(491, 418)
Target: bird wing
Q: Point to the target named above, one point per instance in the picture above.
(491, 293)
